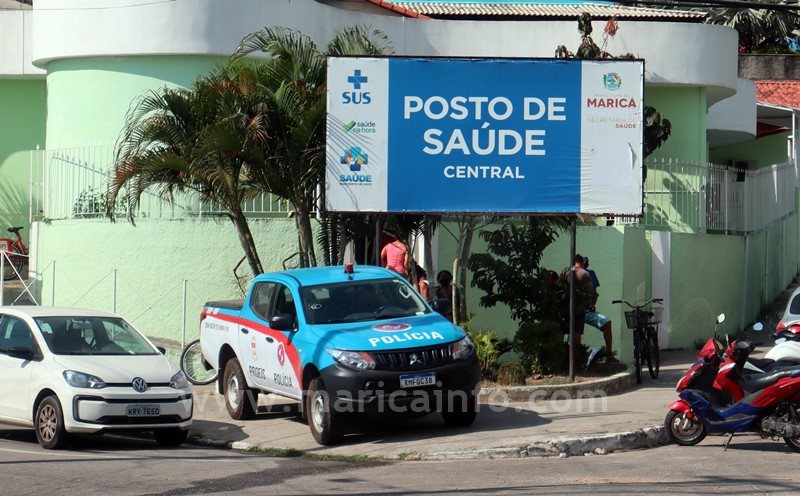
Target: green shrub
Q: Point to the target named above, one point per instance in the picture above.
(489, 347)
(511, 374)
(542, 348)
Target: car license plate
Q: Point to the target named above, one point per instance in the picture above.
(144, 411)
(416, 380)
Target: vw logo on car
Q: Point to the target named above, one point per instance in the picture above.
(140, 385)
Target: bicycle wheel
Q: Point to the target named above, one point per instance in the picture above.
(653, 355)
(194, 365)
(638, 357)
(12, 262)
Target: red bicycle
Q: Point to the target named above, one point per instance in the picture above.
(14, 254)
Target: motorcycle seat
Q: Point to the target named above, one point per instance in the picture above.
(756, 382)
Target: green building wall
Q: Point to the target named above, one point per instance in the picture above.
(79, 261)
(22, 128)
(89, 98)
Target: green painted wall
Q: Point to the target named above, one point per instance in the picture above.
(686, 109)
(83, 110)
(765, 151)
(152, 258)
(707, 277)
(22, 127)
(636, 270)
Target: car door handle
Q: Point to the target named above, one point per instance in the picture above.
(269, 339)
(244, 331)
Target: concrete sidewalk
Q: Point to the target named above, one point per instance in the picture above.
(596, 423)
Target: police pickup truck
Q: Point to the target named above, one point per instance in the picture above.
(342, 340)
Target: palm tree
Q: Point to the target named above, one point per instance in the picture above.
(293, 81)
(758, 28)
(193, 139)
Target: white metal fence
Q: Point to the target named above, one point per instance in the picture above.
(72, 183)
(704, 196)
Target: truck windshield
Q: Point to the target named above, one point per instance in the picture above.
(357, 301)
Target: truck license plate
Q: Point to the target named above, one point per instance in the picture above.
(417, 380)
(144, 411)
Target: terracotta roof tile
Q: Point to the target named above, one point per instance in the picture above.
(785, 93)
(400, 10)
(455, 10)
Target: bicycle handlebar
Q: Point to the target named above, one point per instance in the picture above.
(639, 305)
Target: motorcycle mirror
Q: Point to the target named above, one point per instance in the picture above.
(758, 326)
(720, 318)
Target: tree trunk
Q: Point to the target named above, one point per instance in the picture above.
(306, 238)
(464, 247)
(246, 240)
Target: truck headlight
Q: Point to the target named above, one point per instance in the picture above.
(81, 380)
(357, 360)
(463, 348)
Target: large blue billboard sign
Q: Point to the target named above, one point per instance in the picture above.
(484, 135)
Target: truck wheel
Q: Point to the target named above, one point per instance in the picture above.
(240, 400)
(325, 423)
(462, 411)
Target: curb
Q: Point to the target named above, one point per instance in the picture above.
(648, 437)
(616, 383)
(599, 444)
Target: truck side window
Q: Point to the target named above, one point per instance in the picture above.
(262, 298)
(284, 303)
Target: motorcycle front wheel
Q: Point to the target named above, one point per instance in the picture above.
(684, 430)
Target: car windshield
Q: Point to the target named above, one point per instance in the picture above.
(358, 301)
(92, 336)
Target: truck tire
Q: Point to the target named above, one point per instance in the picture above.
(325, 422)
(459, 414)
(240, 401)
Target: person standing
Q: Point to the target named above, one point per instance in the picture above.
(394, 255)
(597, 319)
(584, 291)
(422, 285)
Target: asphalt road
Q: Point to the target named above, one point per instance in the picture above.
(120, 467)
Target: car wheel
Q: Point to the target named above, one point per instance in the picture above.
(170, 437)
(325, 422)
(462, 411)
(49, 424)
(240, 400)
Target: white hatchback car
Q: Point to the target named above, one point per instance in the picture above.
(69, 370)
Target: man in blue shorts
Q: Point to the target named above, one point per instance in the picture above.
(597, 319)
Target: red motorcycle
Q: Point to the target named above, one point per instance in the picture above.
(732, 401)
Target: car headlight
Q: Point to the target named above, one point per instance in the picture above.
(357, 360)
(81, 380)
(179, 381)
(463, 348)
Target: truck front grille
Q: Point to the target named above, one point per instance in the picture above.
(416, 359)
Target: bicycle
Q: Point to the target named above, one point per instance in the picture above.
(643, 320)
(194, 366)
(15, 254)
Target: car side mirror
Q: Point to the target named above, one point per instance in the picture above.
(161, 350)
(282, 322)
(21, 352)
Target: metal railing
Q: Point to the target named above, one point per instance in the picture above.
(72, 183)
(718, 198)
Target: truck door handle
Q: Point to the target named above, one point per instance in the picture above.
(244, 331)
(269, 339)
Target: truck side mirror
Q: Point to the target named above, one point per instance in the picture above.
(441, 305)
(282, 322)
